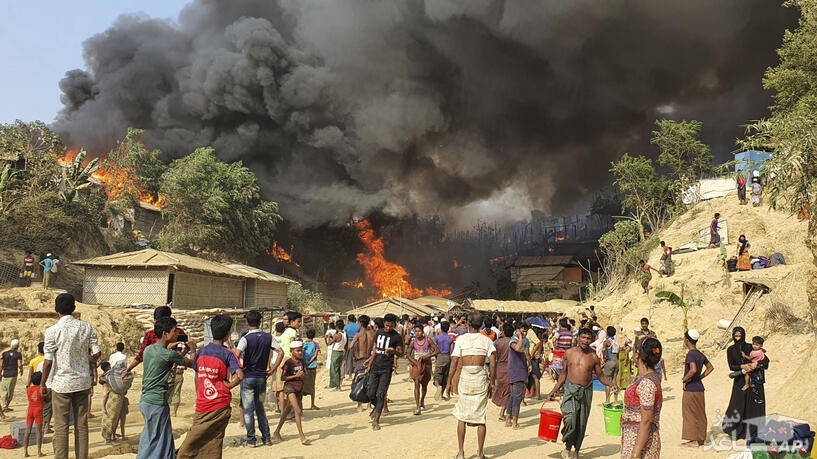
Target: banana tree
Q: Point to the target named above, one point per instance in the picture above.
(678, 301)
(76, 177)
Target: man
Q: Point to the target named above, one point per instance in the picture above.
(577, 378)
(258, 348)
(444, 342)
(66, 347)
(12, 366)
(150, 337)
(46, 265)
(641, 335)
(361, 347)
(28, 268)
(475, 384)
(714, 237)
(693, 403)
(610, 351)
(388, 344)
(118, 356)
(55, 269)
(563, 338)
(352, 329)
(159, 362)
(217, 372)
(667, 268)
(518, 370)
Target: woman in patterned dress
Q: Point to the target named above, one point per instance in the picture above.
(642, 407)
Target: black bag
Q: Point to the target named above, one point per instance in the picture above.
(732, 264)
(359, 383)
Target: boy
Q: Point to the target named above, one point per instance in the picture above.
(214, 366)
(756, 356)
(311, 352)
(159, 361)
(35, 414)
(292, 373)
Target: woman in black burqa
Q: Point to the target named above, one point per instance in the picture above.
(743, 405)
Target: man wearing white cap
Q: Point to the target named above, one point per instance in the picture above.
(12, 367)
(693, 403)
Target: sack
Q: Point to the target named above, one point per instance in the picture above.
(113, 378)
(359, 383)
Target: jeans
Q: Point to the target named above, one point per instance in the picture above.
(252, 399)
(157, 434)
(378, 388)
(515, 400)
(64, 406)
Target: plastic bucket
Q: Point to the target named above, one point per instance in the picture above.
(612, 419)
(549, 422)
(558, 358)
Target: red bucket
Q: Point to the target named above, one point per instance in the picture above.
(549, 422)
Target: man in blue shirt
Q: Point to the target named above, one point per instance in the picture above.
(46, 264)
(351, 329)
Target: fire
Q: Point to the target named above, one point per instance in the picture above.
(355, 284)
(279, 253)
(560, 238)
(68, 158)
(390, 279)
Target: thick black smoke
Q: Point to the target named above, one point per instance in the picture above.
(464, 107)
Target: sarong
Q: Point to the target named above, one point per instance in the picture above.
(441, 368)
(693, 409)
(629, 434)
(277, 384)
(625, 373)
(157, 434)
(744, 262)
(421, 372)
(309, 381)
(175, 389)
(206, 435)
(114, 410)
(576, 405)
(714, 239)
(472, 404)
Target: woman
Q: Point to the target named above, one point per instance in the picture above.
(755, 194)
(743, 405)
(625, 370)
(644, 274)
(421, 350)
(503, 387)
(693, 403)
(744, 261)
(741, 180)
(642, 407)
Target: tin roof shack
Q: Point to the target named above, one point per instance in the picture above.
(543, 278)
(154, 277)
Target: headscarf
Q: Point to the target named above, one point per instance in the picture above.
(740, 345)
(744, 244)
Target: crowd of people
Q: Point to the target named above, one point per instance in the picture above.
(478, 358)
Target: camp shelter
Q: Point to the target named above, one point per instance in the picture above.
(437, 302)
(558, 272)
(520, 307)
(263, 289)
(154, 277)
(395, 305)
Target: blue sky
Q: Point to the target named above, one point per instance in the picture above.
(40, 40)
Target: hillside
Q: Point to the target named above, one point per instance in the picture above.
(781, 316)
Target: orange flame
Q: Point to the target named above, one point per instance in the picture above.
(279, 253)
(355, 284)
(560, 238)
(390, 279)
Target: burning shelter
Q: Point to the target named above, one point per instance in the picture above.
(154, 277)
(561, 274)
(396, 305)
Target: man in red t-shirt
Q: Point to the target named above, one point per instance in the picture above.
(217, 371)
(151, 338)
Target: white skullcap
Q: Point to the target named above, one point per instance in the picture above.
(296, 344)
(693, 334)
(15, 343)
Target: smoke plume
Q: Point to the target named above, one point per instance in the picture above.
(458, 107)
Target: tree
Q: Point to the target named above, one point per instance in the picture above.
(215, 209)
(305, 300)
(791, 130)
(76, 177)
(37, 147)
(681, 150)
(678, 302)
(648, 197)
(8, 180)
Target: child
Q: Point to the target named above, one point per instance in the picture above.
(114, 402)
(421, 350)
(35, 413)
(293, 377)
(756, 356)
(311, 352)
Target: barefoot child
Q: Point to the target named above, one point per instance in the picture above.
(421, 349)
(35, 413)
(293, 374)
(756, 356)
(311, 352)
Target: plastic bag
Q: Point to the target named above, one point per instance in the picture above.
(359, 383)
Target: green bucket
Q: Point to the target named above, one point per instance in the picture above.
(612, 418)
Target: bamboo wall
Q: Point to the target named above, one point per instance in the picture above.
(119, 287)
(270, 294)
(197, 291)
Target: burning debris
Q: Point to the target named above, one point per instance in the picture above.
(279, 254)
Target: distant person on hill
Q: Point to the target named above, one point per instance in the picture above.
(644, 275)
(28, 268)
(741, 182)
(756, 194)
(714, 236)
(667, 267)
(55, 269)
(46, 264)
(744, 260)
(577, 378)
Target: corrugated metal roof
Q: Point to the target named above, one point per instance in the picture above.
(152, 258)
(260, 274)
(553, 260)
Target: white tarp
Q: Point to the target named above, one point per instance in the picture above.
(707, 189)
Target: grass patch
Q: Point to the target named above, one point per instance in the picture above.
(780, 318)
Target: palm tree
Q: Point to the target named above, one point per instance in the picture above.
(76, 177)
(678, 302)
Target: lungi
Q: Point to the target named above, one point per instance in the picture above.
(175, 388)
(206, 435)
(277, 384)
(114, 410)
(157, 434)
(421, 372)
(441, 369)
(576, 405)
(472, 404)
(309, 381)
(693, 410)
